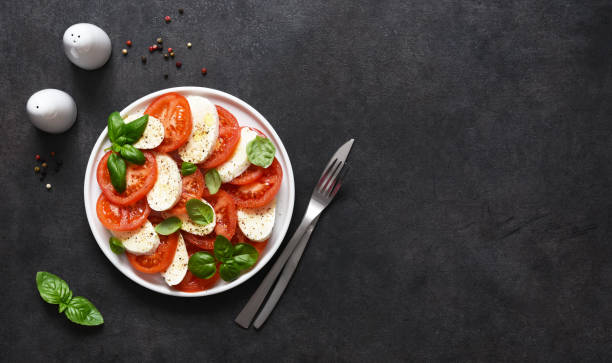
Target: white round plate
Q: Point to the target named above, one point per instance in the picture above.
(246, 116)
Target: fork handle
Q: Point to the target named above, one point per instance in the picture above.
(247, 314)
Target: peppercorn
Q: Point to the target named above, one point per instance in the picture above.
(36, 169)
(188, 44)
(204, 71)
(44, 165)
(169, 50)
(143, 59)
(159, 40)
(166, 56)
(124, 51)
(178, 64)
(48, 186)
(172, 54)
(151, 49)
(165, 76)
(52, 153)
(37, 157)
(167, 18)
(181, 10)
(128, 43)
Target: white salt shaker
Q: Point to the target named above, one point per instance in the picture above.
(87, 45)
(52, 110)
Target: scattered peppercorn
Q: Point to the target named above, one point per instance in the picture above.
(151, 49)
(143, 59)
(181, 10)
(188, 44)
(168, 19)
(166, 56)
(37, 157)
(52, 153)
(124, 51)
(48, 186)
(204, 71)
(172, 54)
(159, 40)
(36, 169)
(165, 76)
(128, 43)
(169, 50)
(44, 165)
(178, 64)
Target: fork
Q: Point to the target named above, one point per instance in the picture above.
(328, 185)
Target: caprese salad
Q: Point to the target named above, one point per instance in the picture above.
(187, 192)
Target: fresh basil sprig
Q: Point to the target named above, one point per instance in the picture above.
(169, 226)
(116, 245)
(235, 259)
(117, 170)
(188, 168)
(78, 309)
(202, 264)
(132, 154)
(133, 131)
(213, 181)
(115, 126)
(260, 151)
(199, 212)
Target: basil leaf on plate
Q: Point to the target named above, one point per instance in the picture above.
(245, 256)
(169, 226)
(133, 130)
(82, 311)
(188, 168)
(260, 151)
(116, 148)
(229, 271)
(132, 154)
(213, 181)
(199, 212)
(115, 126)
(53, 289)
(116, 245)
(224, 250)
(202, 264)
(116, 169)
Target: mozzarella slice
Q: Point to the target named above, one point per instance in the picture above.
(205, 130)
(142, 241)
(178, 268)
(257, 223)
(153, 134)
(168, 187)
(239, 162)
(191, 227)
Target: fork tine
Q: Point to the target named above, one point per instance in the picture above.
(338, 182)
(323, 177)
(331, 177)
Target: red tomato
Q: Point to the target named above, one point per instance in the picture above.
(191, 283)
(155, 217)
(173, 111)
(121, 218)
(225, 214)
(202, 242)
(193, 187)
(139, 180)
(158, 261)
(250, 175)
(260, 192)
(229, 135)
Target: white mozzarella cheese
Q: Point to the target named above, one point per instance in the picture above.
(168, 187)
(194, 228)
(257, 223)
(142, 241)
(178, 268)
(239, 162)
(205, 130)
(153, 134)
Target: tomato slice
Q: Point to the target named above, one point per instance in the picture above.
(193, 187)
(160, 260)
(139, 180)
(260, 192)
(253, 173)
(173, 111)
(121, 218)
(202, 242)
(229, 135)
(155, 217)
(239, 237)
(191, 283)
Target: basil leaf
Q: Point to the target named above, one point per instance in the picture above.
(121, 140)
(53, 289)
(199, 212)
(116, 169)
(116, 245)
(224, 250)
(132, 154)
(133, 130)
(116, 148)
(202, 264)
(188, 168)
(260, 151)
(82, 311)
(115, 126)
(213, 181)
(229, 271)
(169, 226)
(245, 256)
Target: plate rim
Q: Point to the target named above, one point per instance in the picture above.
(288, 173)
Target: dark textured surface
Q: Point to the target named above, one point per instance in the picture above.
(476, 222)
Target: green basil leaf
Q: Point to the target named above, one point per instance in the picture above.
(82, 311)
(116, 148)
(169, 226)
(200, 212)
(132, 154)
(213, 181)
(245, 256)
(202, 264)
(229, 271)
(115, 126)
(116, 169)
(121, 140)
(133, 130)
(188, 168)
(53, 289)
(224, 250)
(116, 245)
(260, 151)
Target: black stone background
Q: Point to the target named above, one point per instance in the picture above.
(475, 224)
